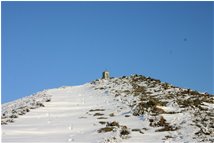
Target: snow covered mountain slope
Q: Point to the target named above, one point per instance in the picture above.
(126, 109)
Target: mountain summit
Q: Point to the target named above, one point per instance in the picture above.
(126, 109)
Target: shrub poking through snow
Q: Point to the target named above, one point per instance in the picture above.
(162, 123)
(114, 123)
(93, 110)
(8, 120)
(110, 126)
(145, 95)
(27, 109)
(102, 122)
(39, 104)
(138, 130)
(98, 114)
(148, 103)
(127, 115)
(167, 128)
(3, 122)
(23, 105)
(21, 112)
(105, 129)
(137, 90)
(158, 122)
(48, 100)
(167, 137)
(13, 116)
(102, 118)
(124, 132)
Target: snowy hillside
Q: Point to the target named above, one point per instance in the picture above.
(126, 109)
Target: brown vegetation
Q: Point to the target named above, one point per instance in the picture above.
(98, 114)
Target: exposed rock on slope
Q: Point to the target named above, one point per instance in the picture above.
(180, 112)
(126, 109)
(21, 106)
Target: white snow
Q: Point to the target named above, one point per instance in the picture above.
(67, 118)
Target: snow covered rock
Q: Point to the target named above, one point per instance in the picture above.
(126, 109)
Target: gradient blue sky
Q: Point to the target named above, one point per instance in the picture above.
(51, 44)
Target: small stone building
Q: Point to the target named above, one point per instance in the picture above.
(105, 75)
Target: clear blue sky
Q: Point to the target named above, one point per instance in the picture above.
(51, 44)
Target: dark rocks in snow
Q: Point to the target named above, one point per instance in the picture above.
(114, 123)
(93, 110)
(27, 110)
(14, 111)
(102, 118)
(138, 130)
(98, 114)
(147, 104)
(152, 98)
(3, 122)
(110, 126)
(127, 115)
(102, 122)
(21, 112)
(158, 122)
(47, 100)
(6, 121)
(105, 129)
(114, 126)
(13, 116)
(155, 99)
(39, 104)
(124, 132)
(22, 106)
(161, 122)
(33, 107)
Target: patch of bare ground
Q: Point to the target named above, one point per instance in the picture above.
(94, 110)
(98, 114)
(162, 123)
